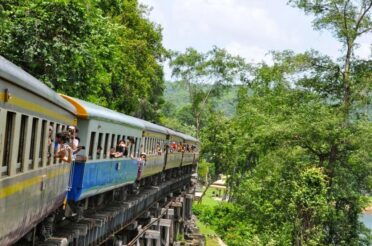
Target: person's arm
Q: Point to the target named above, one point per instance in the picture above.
(68, 157)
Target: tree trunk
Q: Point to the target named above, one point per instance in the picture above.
(346, 80)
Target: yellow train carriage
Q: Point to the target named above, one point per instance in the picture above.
(154, 142)
(32, 182)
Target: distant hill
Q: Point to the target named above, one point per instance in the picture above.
(177, 95)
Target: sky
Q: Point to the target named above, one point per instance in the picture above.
(249, 28)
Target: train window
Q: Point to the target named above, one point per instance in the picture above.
(145, 145)
(153, 146)
(136, 147)
(149, 145)
(58, 129)
(35, 122)
(117, 140)
(113, 144)
(21, 143)
(42, 142)
(107, 135)
(51, 134)
(130, 145)
(10, 119)
(99, 146)
(91, 144)
(54, 144)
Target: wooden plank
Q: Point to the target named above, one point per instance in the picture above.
(176, 204)
(170, 211)
(162, 222)
(152, 234)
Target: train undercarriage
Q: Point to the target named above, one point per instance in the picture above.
(94, 220)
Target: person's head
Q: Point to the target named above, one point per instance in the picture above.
(65, 137)
(143, 156)
(50, 131)
(121, 142)
(99, 149)
(58, 136)
(71, 130)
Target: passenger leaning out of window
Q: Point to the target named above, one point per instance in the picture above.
(158, 149)
(74, 141)
(140, 163)
(120, 149)
(64, 151)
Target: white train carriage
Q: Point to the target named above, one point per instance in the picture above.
(32, 182)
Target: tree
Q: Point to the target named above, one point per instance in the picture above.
(206, 75)
(347, 20)
(290, 185)
(106, 52)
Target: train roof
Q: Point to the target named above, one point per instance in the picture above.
(155, 128)
(187, 137)
(87, 110)
(18, 76)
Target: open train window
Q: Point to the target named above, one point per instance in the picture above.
(91, 144)
(21, 142)
(54, 144)
(153, 146)
(145, 145)
(106, 145)
(113, 144)
(51, 139)
(130, 145)
(136, 143)
(42, 142)
(35, 122)
(9, 125)
(117, 140)
(100, 136)
(150, 143)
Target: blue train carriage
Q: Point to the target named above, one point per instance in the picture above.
(32, 182)
(97, 173)
(154, 145)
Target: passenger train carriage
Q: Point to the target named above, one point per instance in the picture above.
(34, 184)
(98, 172)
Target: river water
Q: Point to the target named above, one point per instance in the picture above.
(367, 220)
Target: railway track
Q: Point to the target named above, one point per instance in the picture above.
(97, 228)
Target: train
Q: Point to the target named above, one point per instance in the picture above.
(37, 189)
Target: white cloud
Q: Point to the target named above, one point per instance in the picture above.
(364, 50)
(250, 53)
(222, 19)
(249, 28)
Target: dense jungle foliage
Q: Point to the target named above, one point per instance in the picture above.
(106, 52)
(297, 152)
(294, 136)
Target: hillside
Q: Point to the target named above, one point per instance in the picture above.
(177, 95)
